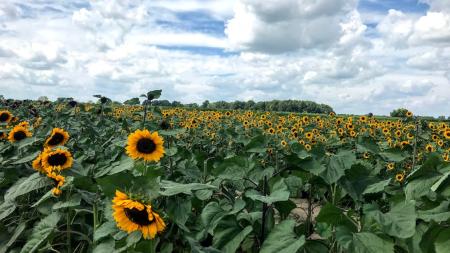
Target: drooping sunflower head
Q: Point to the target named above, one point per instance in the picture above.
(58, 159)
(37, 164)
(18, 133)
(5, 116)
(133, 215)
(58, 182)
(146, 145)
(58, 137)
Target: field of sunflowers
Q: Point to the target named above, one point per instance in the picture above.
(102, 177)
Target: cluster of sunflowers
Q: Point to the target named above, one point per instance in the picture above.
(13, 132)
(54, 159)
(312, 130)
(134, 212)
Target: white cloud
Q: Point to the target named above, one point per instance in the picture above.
(276, 26)
(282, 49)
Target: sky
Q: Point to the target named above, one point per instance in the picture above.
(356, 56)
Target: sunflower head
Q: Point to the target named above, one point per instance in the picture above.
(390, 166)
(134, 215)
(58, 137)
(37, 164)
(146, 145)
(18, 133)
(58, 159)
(429, 148)
(366, 155)
(5, 116)
(399, 177)
(447, 134)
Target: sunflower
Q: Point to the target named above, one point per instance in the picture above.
(399, 177)
(18, 133)
(271, 131)
(447, 134)
(58, 159)
(429, 148)
(5, 116)
(307, 147)
(366, 155)
(24, 124)
(390, 166)
(37, 163)
(146, 145)
(58, 137)
(58, 180)
(3, 135)
(131, 215)
(409, 114)
(283, 143)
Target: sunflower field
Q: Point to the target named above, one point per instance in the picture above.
(103, 177)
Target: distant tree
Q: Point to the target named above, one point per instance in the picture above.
(205, 104)
(176, 104)
(400, 112)
(133, 101)
(43, 98)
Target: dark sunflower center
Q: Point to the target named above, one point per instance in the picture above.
(57, 160)
(138, 217)
(56, 139)
(4, 117)
(20, 135)
(146, 146)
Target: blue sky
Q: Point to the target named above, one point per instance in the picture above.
(357, 56)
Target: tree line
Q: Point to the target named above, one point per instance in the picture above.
(300, 106)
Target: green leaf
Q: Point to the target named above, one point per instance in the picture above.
(337, 166)
(257, 144)
(419, 187)
(282, 239)
(74, 200)
(330, 214)
(33, 182)
(27, 158)
(279, 192)
(211, 215)
(104, 230)
(236, 241)
(377, 187)
(40, 233)
(399, 222)
(440, 181)
(442, 243)
(370, 243)
(169, 188)
(179, 210)
(6, 208)
(437, 214)
(17, 232)
(393, 155)
(228, 234)
(105, 247)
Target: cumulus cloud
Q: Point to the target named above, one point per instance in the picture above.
(278, 26)
(320, 50)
